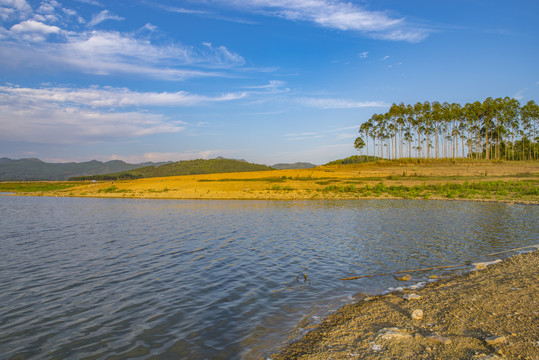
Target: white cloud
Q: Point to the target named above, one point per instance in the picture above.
(110, 97)
(330, 103)
(14, 9)
(520, 94)
(166, 156)
(364, 54)
(303, 136)
(385, 57)
(31, 30)
(46, 116)
(102, 16)
(55, 125)
(91, 2)
(336, 14)
(108, 52)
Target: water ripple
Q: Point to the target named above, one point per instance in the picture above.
(103, 279)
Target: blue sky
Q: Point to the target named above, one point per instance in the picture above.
(263, 80)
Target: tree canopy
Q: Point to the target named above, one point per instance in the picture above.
(493, 129)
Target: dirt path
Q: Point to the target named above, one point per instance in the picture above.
(484, 314)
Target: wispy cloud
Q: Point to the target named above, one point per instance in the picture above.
(166, 156)
(109, 97)
(302, 136)
(331, 103)
(336, 14)
(55, 125)
(91, 2)
(110, 52)
(102, 16)
(364, 54)
(59, 115)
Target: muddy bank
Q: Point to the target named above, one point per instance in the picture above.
(485, 314)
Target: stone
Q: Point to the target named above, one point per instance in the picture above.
(493, 340)
(433, 277)
(439, 339)
(404, 277)
(417, 314)
(483, 265)
(412, 297)
(486, 357)
(392, 334)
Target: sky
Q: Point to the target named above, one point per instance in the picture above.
(268, 81)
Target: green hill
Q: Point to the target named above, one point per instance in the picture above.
(189, 167)
(354, 159)
(298, 165)
(35, 169)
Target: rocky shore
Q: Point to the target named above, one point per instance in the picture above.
(490, 313)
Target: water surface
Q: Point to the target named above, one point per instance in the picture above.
(181, 279)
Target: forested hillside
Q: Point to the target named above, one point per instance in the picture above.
(189, 167)
(35, 169)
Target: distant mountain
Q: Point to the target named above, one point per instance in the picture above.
(298, 165)
(35, 169)
(189, 167)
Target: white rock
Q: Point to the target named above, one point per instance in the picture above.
(392, 334)
(493, 340)
(483, 265)
(417, 314)
(439, 339)
(412, 297)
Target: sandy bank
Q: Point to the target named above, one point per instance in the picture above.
(484, 314)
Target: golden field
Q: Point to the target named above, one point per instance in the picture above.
(383, 179)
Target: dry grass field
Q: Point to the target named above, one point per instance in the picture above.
(472, 180)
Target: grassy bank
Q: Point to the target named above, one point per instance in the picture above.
(470, 180)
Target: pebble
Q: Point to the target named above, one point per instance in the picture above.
(483, 265)
(433, 277)
(493, 340)
(392, 334)
(417, 314)
(439, 339)
(412, 297)
(404, 277)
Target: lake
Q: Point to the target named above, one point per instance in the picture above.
(181, 279)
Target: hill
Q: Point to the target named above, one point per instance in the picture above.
(354, 159)
(188, 167)
(298, 165)
(35, 169)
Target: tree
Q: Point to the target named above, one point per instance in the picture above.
(359, 144)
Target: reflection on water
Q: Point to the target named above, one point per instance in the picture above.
(101, 278)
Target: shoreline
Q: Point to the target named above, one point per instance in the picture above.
(483, 314)
(337, 198)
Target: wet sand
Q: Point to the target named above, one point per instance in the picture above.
(484, 314)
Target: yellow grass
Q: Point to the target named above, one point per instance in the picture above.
(307, 183)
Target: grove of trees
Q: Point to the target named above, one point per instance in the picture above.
(498, 129)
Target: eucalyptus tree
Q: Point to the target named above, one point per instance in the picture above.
(530, 117)
(437, 118)
(365, 129)
(484, 128)
(510, 121)
(359, 144)
(419, 125)
(455, 111)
